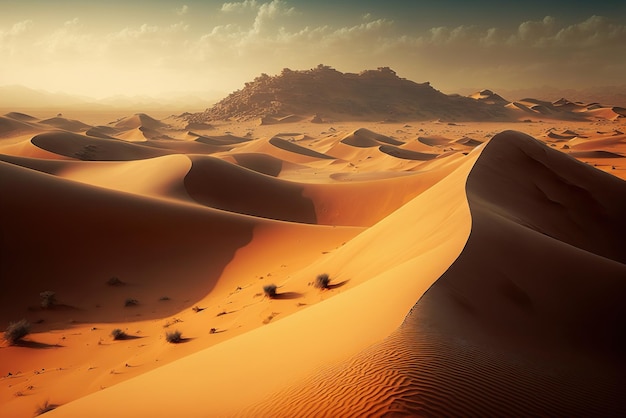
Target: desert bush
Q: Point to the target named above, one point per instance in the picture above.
(16, 331)
(270, 290)
(48, 299)
(46, 407)
(322, 281)
(174, 337)
(131, 302)
(164, 298)
(115, 281)
(118, 334)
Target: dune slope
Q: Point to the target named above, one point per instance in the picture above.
(520, 324)
(405, 253)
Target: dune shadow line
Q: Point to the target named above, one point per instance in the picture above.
(288, 295)
(38, 345)
(336, 285)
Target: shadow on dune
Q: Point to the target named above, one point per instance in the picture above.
(288, 295)
(76, 236)
(36, 345)
(129, 338)
(222, 185)
(337, 285)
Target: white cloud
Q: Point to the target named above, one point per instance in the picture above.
(10, 38)
(594, 31)
(183, 10)
(239, 6)
(70, 40)
(535, 32)
(19, 27)
(268, 12)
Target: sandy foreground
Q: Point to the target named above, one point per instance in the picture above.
(475, 268)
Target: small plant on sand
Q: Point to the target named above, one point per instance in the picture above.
(118, 334)
(48, 299)
(46, 407)
(322, 281)
(270, 290)
(115, 281)
(16, 331)
(173, 337)
(131, 302)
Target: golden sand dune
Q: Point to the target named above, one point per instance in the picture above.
(261, 163)
(496, 327)
(21, 117)
(406, 154)
(14, 126)
(105, 132)
(297, 149)
(91, 148)
(66, 124)
(140, 120)
(364, 138)
(434, 141)
(466, 278)
(222, 185)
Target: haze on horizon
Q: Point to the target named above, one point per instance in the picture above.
(99, 49)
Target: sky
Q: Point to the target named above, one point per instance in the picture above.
(101, 49)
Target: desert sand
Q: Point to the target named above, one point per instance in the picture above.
(476, 268)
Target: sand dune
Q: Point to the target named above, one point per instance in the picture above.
(220, 140)
(105, 132)
(426, 243)
(468, 141)
(406, 154)
(364, 138)
(21, 117)
(140, 120)
(14, 126)
(225, 186)
(91, 148)
(466, 277)
(261, 163)
(434, 141)
(495, 327)
(66, 124)
(297, 149)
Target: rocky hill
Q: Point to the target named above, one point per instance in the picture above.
(323, 91)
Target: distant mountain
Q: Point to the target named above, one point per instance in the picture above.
(21, 97)
(609, 95)
(15, 96)
(326, 92)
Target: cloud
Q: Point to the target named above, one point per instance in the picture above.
(10, 38)
(536, 32)
(183, 10)
(596, 30)
(248, 37)
(239, 6)
(70, 40)
(18, 28)
(268, 12)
